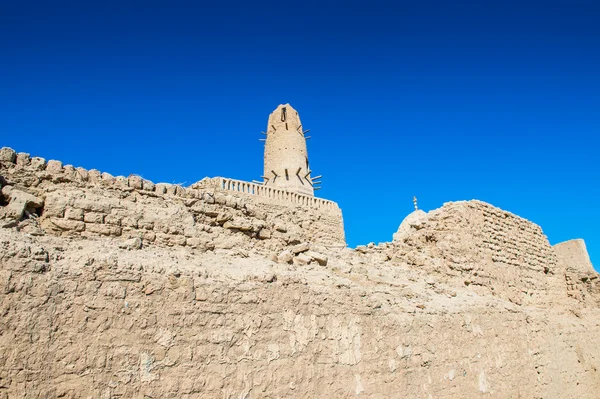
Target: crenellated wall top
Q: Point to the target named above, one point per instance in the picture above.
(57, 172)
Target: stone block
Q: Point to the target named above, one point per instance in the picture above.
(161, 227)
(108, 179)
(18, 202)
(302, 247)
(161, 188)
(129, 221)
(121, 182)
(161, 238)
(320, 258)
(91, 206)
(55, 205)
(103, 229)
(193, 242)
(135, 182)
(230, 201)
(149, 236)
(302, 260)
(145, 224)
(208, 198)
(81, 174)
(13, 194)
(280, 227)
(69, 171)
(200, 243)
(238, 225)
(54, 166)
(223, 217)
(147, 185)
(257, 225)
(264, 234)
(220, 198)
(8, 155)
(23, 159)
(174, 229)
(132, 243)
(191, 231)
(94, 176)
(177, 240)
(38, 163)
(171, 189)
(74, 214)
(93, 217)
(113, 220)
(68, 225)
(285, 257)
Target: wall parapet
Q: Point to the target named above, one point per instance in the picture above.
(62, 172)
(213, 213)
(271, 193)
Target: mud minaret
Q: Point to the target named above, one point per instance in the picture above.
(286, 158)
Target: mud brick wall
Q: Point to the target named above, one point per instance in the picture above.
(489, 249)
(89, 202)
(581, 279)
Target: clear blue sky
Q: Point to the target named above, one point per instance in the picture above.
(446, 100)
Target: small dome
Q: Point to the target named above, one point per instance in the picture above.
(414, 218)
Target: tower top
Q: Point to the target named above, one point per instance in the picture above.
(286, 157)
(284, 114)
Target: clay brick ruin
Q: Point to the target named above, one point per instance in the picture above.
(120, 287)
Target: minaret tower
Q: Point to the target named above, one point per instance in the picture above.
(286, 158)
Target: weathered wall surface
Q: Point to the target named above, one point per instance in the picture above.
(330, 227)
(582, 280)
(482, 246)
(118, 288)
(84, 318)
(90, 203)
(573, 254)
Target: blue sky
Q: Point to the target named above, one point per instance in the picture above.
(498, 101)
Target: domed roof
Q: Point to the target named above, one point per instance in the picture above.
(414, 218)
